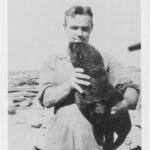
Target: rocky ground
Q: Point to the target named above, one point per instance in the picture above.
(27, 120)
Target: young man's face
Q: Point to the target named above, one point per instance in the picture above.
(78, 28)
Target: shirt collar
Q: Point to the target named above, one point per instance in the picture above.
(65, 55)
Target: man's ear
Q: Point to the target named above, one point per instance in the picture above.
(64, 26)
(91, 28)
(66, 31)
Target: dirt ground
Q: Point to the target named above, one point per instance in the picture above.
(27, 128)
(28, 121)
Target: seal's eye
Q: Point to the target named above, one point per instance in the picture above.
(79, 54)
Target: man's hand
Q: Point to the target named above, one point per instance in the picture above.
(122, 106)
(129, 101)
(79, 78)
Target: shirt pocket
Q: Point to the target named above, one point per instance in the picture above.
(64, 71)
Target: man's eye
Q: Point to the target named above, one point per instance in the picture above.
(74, 28)
(86, 29)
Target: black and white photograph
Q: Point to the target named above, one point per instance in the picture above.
(74, 75)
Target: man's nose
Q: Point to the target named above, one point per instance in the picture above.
(79, 32)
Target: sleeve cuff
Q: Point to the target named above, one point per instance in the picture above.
(41, 94)
(122, 87)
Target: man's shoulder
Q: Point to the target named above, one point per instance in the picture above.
(106, 57)
(105, 54)
(109, 60)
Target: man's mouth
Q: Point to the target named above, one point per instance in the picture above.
(80, 40)
(77, 41)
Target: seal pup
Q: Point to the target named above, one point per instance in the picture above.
(96, 101)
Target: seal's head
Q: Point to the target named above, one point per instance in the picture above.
(76, 53)
(83, 54)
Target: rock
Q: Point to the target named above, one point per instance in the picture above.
(30, 95)
(36, 125)
(18, 100)
(17, 105)
(24, 104)
(11, 111)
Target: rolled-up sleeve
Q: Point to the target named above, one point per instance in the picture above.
(47, 75)
(117, 76)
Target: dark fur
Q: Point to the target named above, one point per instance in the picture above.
(98, 98)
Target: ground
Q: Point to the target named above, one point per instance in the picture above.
(27, 120)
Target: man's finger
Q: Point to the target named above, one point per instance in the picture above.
(77, 87)
(81, 70)
(83, 76)
(82, 82)
(113, 110)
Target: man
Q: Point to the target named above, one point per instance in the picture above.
(68, 129)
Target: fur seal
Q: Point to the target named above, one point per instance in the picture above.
(98, 98)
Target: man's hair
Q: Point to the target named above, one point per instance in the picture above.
(78, 10)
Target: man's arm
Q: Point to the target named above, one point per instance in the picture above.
(129, 102)
(118, 79)
(131, 97)
(55, 94)
(52, 94)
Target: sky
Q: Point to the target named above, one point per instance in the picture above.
(35, 30)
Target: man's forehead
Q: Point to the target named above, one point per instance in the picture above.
(79, 20)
